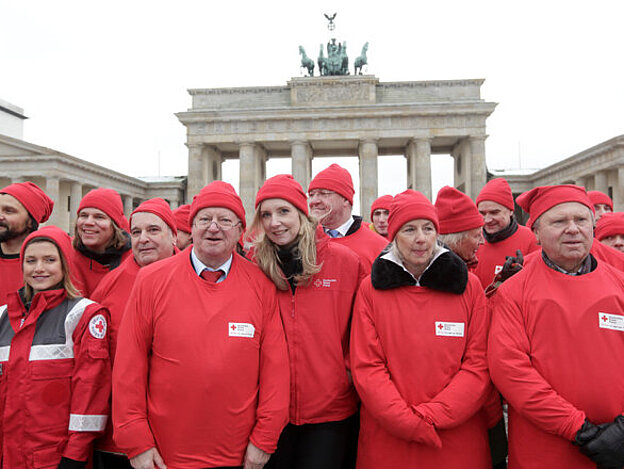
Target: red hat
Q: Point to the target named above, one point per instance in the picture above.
(407, 206)
(384, 202)
(335, 178)
(218, 194)
(610, 224)
(34, 200)
(160, 208)
(457, 211)
(541, 199)
(181, 216)
(109, 202)
(497, 190)
(283, 186)
(598, 197)
(59, 238)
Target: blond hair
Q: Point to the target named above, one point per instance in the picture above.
(70, 290)
(265, 251)
(117, 241)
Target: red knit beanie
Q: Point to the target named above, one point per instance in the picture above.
(598, 197)
(384, 202)
(109, 202)
(497, 190)
(218, 194)
(283, 186)
(456, 211)
(34, 200)
(541, 199)
(181, 216)
(610, 224)
(160, 208)
(335, 178)
(407, 206)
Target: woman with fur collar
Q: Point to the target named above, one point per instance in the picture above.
(418, 345)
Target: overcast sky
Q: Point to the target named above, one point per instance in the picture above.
(102, 80)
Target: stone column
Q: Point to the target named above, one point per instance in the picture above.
(601, 182)
(368, 153)
(128, 205)
(173, 204)
(418, 154)
(53, 190)
(196, 171)
(252, 172)
(212, 161)
(580, 181)
(478, 169)
(618, 191)
(301, 153)
(75, 196)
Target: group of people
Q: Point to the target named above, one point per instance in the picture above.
(313, 339)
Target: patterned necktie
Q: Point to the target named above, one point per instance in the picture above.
(333, 233)
(211, 276)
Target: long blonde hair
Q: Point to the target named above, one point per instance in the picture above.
(265, 251)
(70, 290)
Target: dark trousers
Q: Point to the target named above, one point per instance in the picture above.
(316, 445)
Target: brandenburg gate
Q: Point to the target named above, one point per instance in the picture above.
(353, 115)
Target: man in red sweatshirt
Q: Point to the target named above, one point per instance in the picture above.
(503, 235)
(556, 342)
(23, 206)
(331, 203)
(201, 375)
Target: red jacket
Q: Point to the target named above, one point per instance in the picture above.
(365, 243)
(402, 363)
(317, 321)
(55, 381)
(11, 276)
(201, 369)
(554, 360)
(492, 255)
(89, 272)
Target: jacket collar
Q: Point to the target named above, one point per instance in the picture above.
(446, 273)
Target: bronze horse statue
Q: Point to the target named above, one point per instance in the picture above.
(306, 62)
(360, 61)
(322, 63)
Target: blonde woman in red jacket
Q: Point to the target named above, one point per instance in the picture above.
(317, 282)
(418, 343)
(55, 373)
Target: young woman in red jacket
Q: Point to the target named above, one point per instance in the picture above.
(418, 344)
(55, 373)
(101, 240)
(317, 282)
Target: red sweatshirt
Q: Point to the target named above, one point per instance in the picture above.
(11, 277)
(401, 361)
(555, 353)
(317, 321)
(492, 255)
(201, 369)
(54, 379)
(89, 272)
(365, 243)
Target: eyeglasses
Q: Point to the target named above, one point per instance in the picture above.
(223, 224)
(321, 194)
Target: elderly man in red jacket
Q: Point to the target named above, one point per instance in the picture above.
(201, 375)
(557, 340)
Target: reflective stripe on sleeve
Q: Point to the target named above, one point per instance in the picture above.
(87, 423)
(4, 353)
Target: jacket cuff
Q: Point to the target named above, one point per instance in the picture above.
(134, 438)
(67, 463)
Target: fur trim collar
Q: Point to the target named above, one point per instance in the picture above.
(448, 273)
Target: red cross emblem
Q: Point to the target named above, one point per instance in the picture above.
(440, 326)
(100, 326)
(604, 318)
(233, 327)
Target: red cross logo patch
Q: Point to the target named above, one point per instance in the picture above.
(97, 326)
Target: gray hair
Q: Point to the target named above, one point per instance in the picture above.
(453, 240)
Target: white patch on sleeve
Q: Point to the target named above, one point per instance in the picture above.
(241, 329)
(449, 329)
(615, 322)
(97, 326)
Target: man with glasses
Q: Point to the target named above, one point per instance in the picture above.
(201, 374)
(331, 203)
